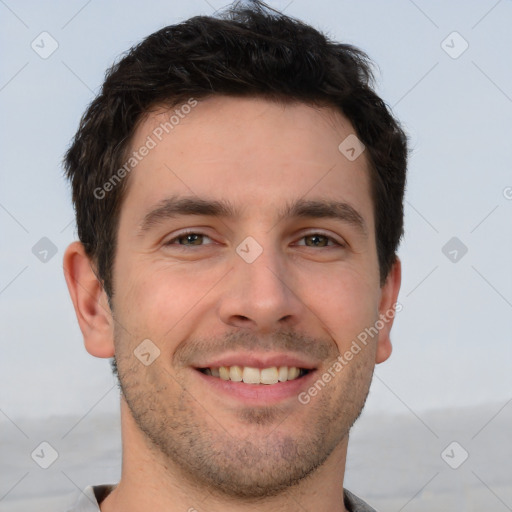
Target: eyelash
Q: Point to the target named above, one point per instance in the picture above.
(184, 234)
(192, 232)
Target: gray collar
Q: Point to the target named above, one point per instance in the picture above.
(92, 496)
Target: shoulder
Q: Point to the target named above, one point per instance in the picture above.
(90, 498)
(355, 504)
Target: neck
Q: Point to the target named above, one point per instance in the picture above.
(150, 481)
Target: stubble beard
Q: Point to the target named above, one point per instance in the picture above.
(266, 461)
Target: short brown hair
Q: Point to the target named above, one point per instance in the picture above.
(246, 51)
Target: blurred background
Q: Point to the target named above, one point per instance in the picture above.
(437, 428)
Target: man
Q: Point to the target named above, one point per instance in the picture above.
(238, 189)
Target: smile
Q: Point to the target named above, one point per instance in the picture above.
(251, 375)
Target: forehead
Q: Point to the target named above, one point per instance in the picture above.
(259, 153)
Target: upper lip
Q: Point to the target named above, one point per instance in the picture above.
(263, 360)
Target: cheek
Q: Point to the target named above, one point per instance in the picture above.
(159, 299)
(344, 302)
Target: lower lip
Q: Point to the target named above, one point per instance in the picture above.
(259, 394)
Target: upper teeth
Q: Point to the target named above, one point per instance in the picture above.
(251, 375)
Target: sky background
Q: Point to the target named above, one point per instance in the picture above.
(452, 340)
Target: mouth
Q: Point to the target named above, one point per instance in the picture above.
(261, 385)
(255, 378)
(252, 375)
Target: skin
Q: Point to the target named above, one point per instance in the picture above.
(185, 446)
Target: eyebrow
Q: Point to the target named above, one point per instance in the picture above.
(326, 209)
(179, 206)
(175, 206)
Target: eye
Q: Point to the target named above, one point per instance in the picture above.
(189, 239)
(318, 240)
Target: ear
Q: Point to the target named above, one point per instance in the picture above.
(90, 302)
(388, 309)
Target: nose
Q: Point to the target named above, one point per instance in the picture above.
(260, 295)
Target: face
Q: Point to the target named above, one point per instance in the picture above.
(246, 250)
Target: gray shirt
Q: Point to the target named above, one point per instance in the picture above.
(92, 496)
